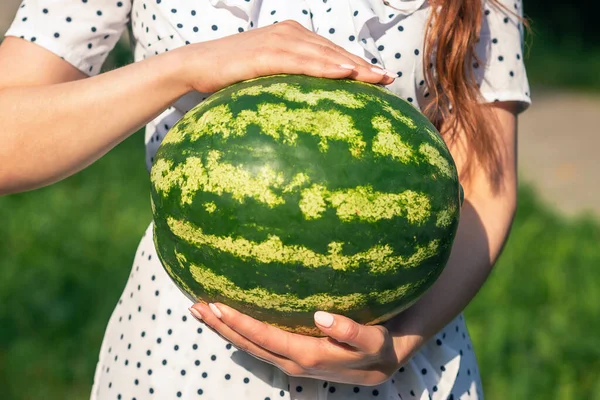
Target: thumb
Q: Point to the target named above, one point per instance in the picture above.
(344, 330)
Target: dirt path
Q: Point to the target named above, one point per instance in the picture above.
(559, 150)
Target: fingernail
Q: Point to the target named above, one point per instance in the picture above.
(195, 313)
(215, 310)
(347, 66)
(324, 319)
(390, 73)
(378, 71)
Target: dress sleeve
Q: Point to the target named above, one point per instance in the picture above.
(500, 71)
(82, 32)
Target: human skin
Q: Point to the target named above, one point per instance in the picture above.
(82, 119)
(62, 102)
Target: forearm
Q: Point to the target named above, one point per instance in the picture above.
(482, 232)
(50, 132)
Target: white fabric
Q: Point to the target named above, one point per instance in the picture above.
(151, 347)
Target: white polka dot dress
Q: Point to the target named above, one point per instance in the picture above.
(152, 348)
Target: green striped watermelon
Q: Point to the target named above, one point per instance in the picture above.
(287, 194)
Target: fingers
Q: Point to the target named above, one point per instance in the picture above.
(202, 313)
(291, 48)
(363, 71)
(368, 339)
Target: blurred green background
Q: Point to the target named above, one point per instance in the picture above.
(66, 251)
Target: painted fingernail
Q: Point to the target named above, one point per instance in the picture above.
(215, 310)
(378, 71)
(324, 319)
(195, 313)
(347, 66)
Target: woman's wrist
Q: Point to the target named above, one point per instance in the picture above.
(181, 68)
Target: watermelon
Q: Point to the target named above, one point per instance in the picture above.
(288, 194)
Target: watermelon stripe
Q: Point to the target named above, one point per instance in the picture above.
(380, 259)
(434, 158)
(360, 203)
(388, 142)
(292, 92)
(276, 121)
(260, 297)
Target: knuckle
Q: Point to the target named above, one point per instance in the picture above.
(289, 23)
(294, 370)
(309, 363)
(325, 50)
(350, 332)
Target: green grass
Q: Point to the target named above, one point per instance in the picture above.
(65, 253)
(67, 250)
(535, 322)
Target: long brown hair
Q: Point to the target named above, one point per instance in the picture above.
(453, 31)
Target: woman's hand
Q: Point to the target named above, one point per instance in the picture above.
(285, 47)
(350, 353)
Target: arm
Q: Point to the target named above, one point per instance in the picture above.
(485, 221)
(55, 123)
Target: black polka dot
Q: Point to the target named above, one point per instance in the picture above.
(424, 371)
(331, 30)
(227, 376)
(351, 38)
(45, 11)
(56, 34)
(380, 47)
(246, 380)
(400, 28)
(178, 394)
(356, 389)
(397, 55)
(500, 58)
(417, 52)
(375, 392)
(214, 27)
(331, 389)
(200, 391)
(298, 388)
